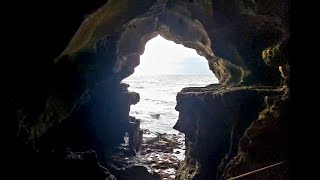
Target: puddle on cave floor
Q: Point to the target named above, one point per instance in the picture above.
(160, 153)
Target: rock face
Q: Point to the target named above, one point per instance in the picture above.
(214, 119)
(264, 143)
(68, 93)
(59, 165)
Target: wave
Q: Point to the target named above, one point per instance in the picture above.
(160, 101)
(138, 87)
(158, 96)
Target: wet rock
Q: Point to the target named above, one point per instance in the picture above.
(150, 137)
(155, 116)
(157, 156)
(135, 135)
(81, 90)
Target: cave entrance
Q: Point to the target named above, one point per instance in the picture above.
(165, 68)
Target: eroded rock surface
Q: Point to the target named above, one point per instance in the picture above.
(264, 143)
(214, 119)
(68, 94)
(161, 154)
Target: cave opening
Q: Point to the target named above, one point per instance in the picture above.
(67, 112)
(165, 69)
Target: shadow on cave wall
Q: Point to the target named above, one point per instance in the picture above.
(77, 101)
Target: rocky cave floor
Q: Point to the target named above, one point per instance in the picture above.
(160, 154)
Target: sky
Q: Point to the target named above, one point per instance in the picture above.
(166, 57)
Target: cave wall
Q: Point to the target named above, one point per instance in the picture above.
(68, 93)
(214, 119)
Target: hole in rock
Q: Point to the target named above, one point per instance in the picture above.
(165, 68)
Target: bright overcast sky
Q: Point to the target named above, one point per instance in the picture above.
(166, 57)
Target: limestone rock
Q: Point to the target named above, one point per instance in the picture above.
(67, 90)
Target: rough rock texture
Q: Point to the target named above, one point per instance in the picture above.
(68, 93)
(213, 120)
(264, 143)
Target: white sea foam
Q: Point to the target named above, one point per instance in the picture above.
(158, 96)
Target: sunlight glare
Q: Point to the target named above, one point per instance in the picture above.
(166, 57)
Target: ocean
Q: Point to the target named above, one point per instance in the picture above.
(156, 108)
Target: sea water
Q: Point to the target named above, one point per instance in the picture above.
(156, 108)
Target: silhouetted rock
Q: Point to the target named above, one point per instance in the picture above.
(264, 143)
(213, 120)
(137, 173)
(65, 87)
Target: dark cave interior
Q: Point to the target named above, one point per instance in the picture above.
(66, 108)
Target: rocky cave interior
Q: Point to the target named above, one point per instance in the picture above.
(67, 125)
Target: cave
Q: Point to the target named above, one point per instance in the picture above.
(68, 112)
(165, 68)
